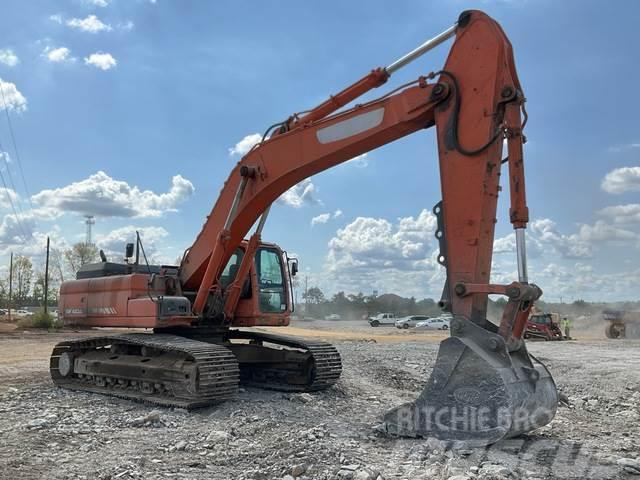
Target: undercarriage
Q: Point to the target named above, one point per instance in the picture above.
(201, 368)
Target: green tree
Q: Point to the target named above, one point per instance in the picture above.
(314, 295)
(22, 278)
(38, 290)
(80, 254)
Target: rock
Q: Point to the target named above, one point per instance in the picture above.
(219, 436)
(353, 467)
(302, 397)
(298, 470)
(365, 474)
(181, 445)
(288, 477)
(630, 465)
(459, 477)
(37, 423)
(490, 470)
(150, 418)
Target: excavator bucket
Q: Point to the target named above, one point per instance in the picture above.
(479, 392)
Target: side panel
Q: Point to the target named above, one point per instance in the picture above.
(116, 301)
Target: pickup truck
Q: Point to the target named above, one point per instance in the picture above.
(383, 319)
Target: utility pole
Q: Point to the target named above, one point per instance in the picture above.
(10, 284)
(306, 294)
(46, 280)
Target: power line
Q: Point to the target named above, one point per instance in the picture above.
(17, 217)
(13, 187)
(15, 146)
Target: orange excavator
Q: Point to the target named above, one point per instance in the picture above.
(485, 386)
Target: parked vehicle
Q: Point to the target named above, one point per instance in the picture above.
(410, 321)
(436, 323)
(383, 319)
(333, 316)
(23, 313)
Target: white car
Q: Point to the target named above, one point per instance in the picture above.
(24, 313)
(437, 323)
(333, 316)
(410, 321)
(383, 319)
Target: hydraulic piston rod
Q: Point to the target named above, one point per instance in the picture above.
(521, 252)
(422, 49)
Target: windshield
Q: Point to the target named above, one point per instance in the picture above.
(544, 319)
(270, 281)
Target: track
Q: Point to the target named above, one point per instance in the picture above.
(176, 371)
(161, 369)
(293, 364)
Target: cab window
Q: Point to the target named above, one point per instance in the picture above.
(231, 270)
(272, 293)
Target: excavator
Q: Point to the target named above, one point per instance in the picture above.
(484, 387)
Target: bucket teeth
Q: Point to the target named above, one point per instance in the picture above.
(479, 392)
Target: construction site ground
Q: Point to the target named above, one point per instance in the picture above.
(51, 433)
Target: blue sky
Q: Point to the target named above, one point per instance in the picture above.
(131, 110)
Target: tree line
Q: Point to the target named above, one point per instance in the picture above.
(28, 282)
(359, 306)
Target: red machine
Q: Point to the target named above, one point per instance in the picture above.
(544, 326)
(484, 386)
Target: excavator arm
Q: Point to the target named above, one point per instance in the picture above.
(475, 102)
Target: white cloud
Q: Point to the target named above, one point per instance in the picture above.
(98, 3)
(57, 18)
(8, 197)
(300, 194)
(620, 180)
(622, 214)
(126, 26)
(581, 280)
(103, 196)
(8, 57)
(325, 217)
(545, 232)
(13, 99)
(16, 230)
(602, 232)
(623, 147)
(243, 146)
(322, 218)
(114, 242)
(372, 253)
(91, 24)
(58, 55)
(103, 61)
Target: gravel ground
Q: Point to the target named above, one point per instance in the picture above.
(51, 433)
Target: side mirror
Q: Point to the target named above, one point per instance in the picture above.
(294, 267)
(129, 251)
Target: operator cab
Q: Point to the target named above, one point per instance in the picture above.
(268, 290)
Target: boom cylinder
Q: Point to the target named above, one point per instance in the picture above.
(422, 49)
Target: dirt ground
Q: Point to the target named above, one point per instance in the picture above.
(51, 433)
